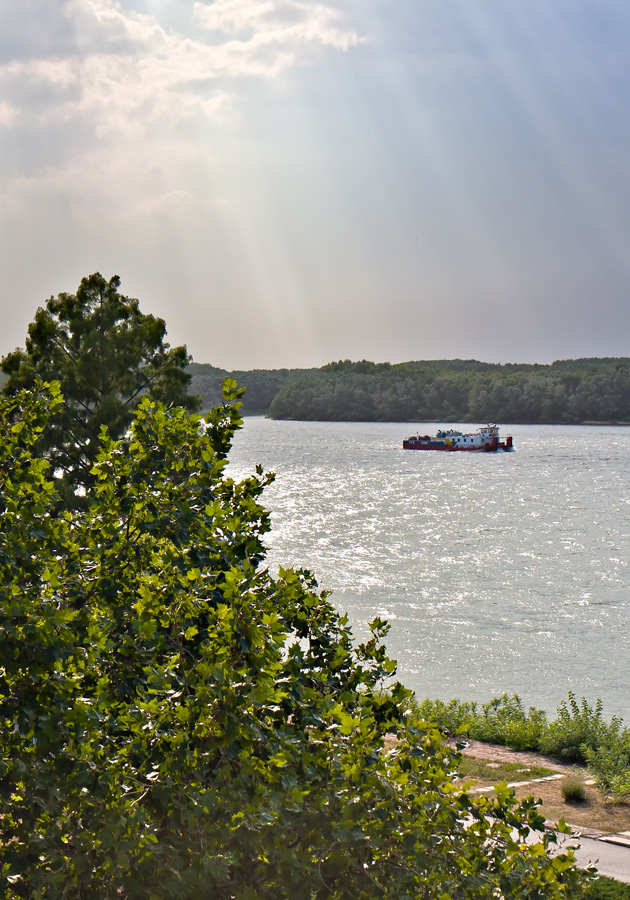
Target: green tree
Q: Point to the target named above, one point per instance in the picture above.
(106, 355)
(177, 723)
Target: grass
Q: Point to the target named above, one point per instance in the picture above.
(483, 770)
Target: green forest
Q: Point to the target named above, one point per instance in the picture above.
(565, 392)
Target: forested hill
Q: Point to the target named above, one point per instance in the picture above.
(569, 391)
(456, 390)
(262, 385)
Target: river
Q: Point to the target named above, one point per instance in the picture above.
(497, 572)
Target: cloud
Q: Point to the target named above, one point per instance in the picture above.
(124, 68)
(92, 99)
(276, 23)
(8, 114)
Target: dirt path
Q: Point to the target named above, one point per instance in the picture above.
(495, 753)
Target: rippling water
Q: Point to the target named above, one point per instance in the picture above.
(498, 572)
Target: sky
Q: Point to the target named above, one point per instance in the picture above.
(290, 182)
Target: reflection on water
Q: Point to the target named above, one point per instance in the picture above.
(498, 572)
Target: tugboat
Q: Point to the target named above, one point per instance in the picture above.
(485, 440)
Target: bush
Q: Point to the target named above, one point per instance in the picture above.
(577, 726)
(608, 889)
(501, 720)
(610, 761)
(573, 790)
(452, 716)
(504, 721)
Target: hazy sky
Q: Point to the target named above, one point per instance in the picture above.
(289, 182)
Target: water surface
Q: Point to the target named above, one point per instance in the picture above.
(498, 572)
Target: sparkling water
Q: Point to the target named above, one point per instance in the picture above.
(497, 571)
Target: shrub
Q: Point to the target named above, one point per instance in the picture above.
(608, 889)
(610, 761)
(452, 716)
(573, 790)
(504, 721)
(577, 726)
(501, 720)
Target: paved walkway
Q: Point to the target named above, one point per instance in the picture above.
(607, 852)
(515, 784)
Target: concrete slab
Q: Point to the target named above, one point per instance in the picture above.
(621, 840)
(610, 859)
(515, 784)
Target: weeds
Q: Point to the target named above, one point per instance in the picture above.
(608, 889)
(610, 761)
(578, 726)
(500, 721)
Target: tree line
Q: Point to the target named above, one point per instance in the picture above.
(568, 391)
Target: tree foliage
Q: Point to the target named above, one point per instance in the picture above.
(175, 722)
(106, 355)
(458, 391)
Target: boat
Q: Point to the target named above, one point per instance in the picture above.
(485, 440)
